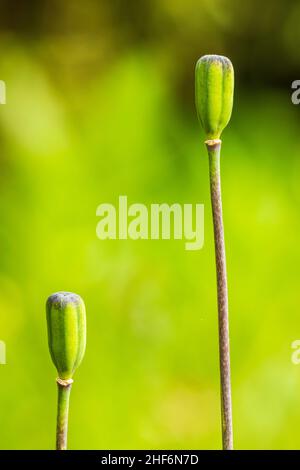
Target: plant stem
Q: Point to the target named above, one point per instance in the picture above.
(213, 148)
(64, 390)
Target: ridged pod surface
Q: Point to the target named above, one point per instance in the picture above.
(214, 80)
(66, 322)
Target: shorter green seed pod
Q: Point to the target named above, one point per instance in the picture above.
(66, 321)
(214, 77)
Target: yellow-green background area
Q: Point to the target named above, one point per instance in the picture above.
(100, 102)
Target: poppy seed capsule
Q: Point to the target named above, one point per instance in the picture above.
(66, 321)
(214, 78)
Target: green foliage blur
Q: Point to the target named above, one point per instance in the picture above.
(100, 103)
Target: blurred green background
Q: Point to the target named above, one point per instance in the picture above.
(100, 102)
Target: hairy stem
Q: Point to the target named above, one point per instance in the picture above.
(64, 390)
(214, 147)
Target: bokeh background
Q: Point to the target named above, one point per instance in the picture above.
(100, 102)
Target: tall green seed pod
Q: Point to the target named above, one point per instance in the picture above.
(214, 100)
(66, 322)
(214, 80)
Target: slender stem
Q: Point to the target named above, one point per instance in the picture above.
(64, 390)
(214, 148)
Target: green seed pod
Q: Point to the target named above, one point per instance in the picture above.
(66, 321)
(214, 77)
